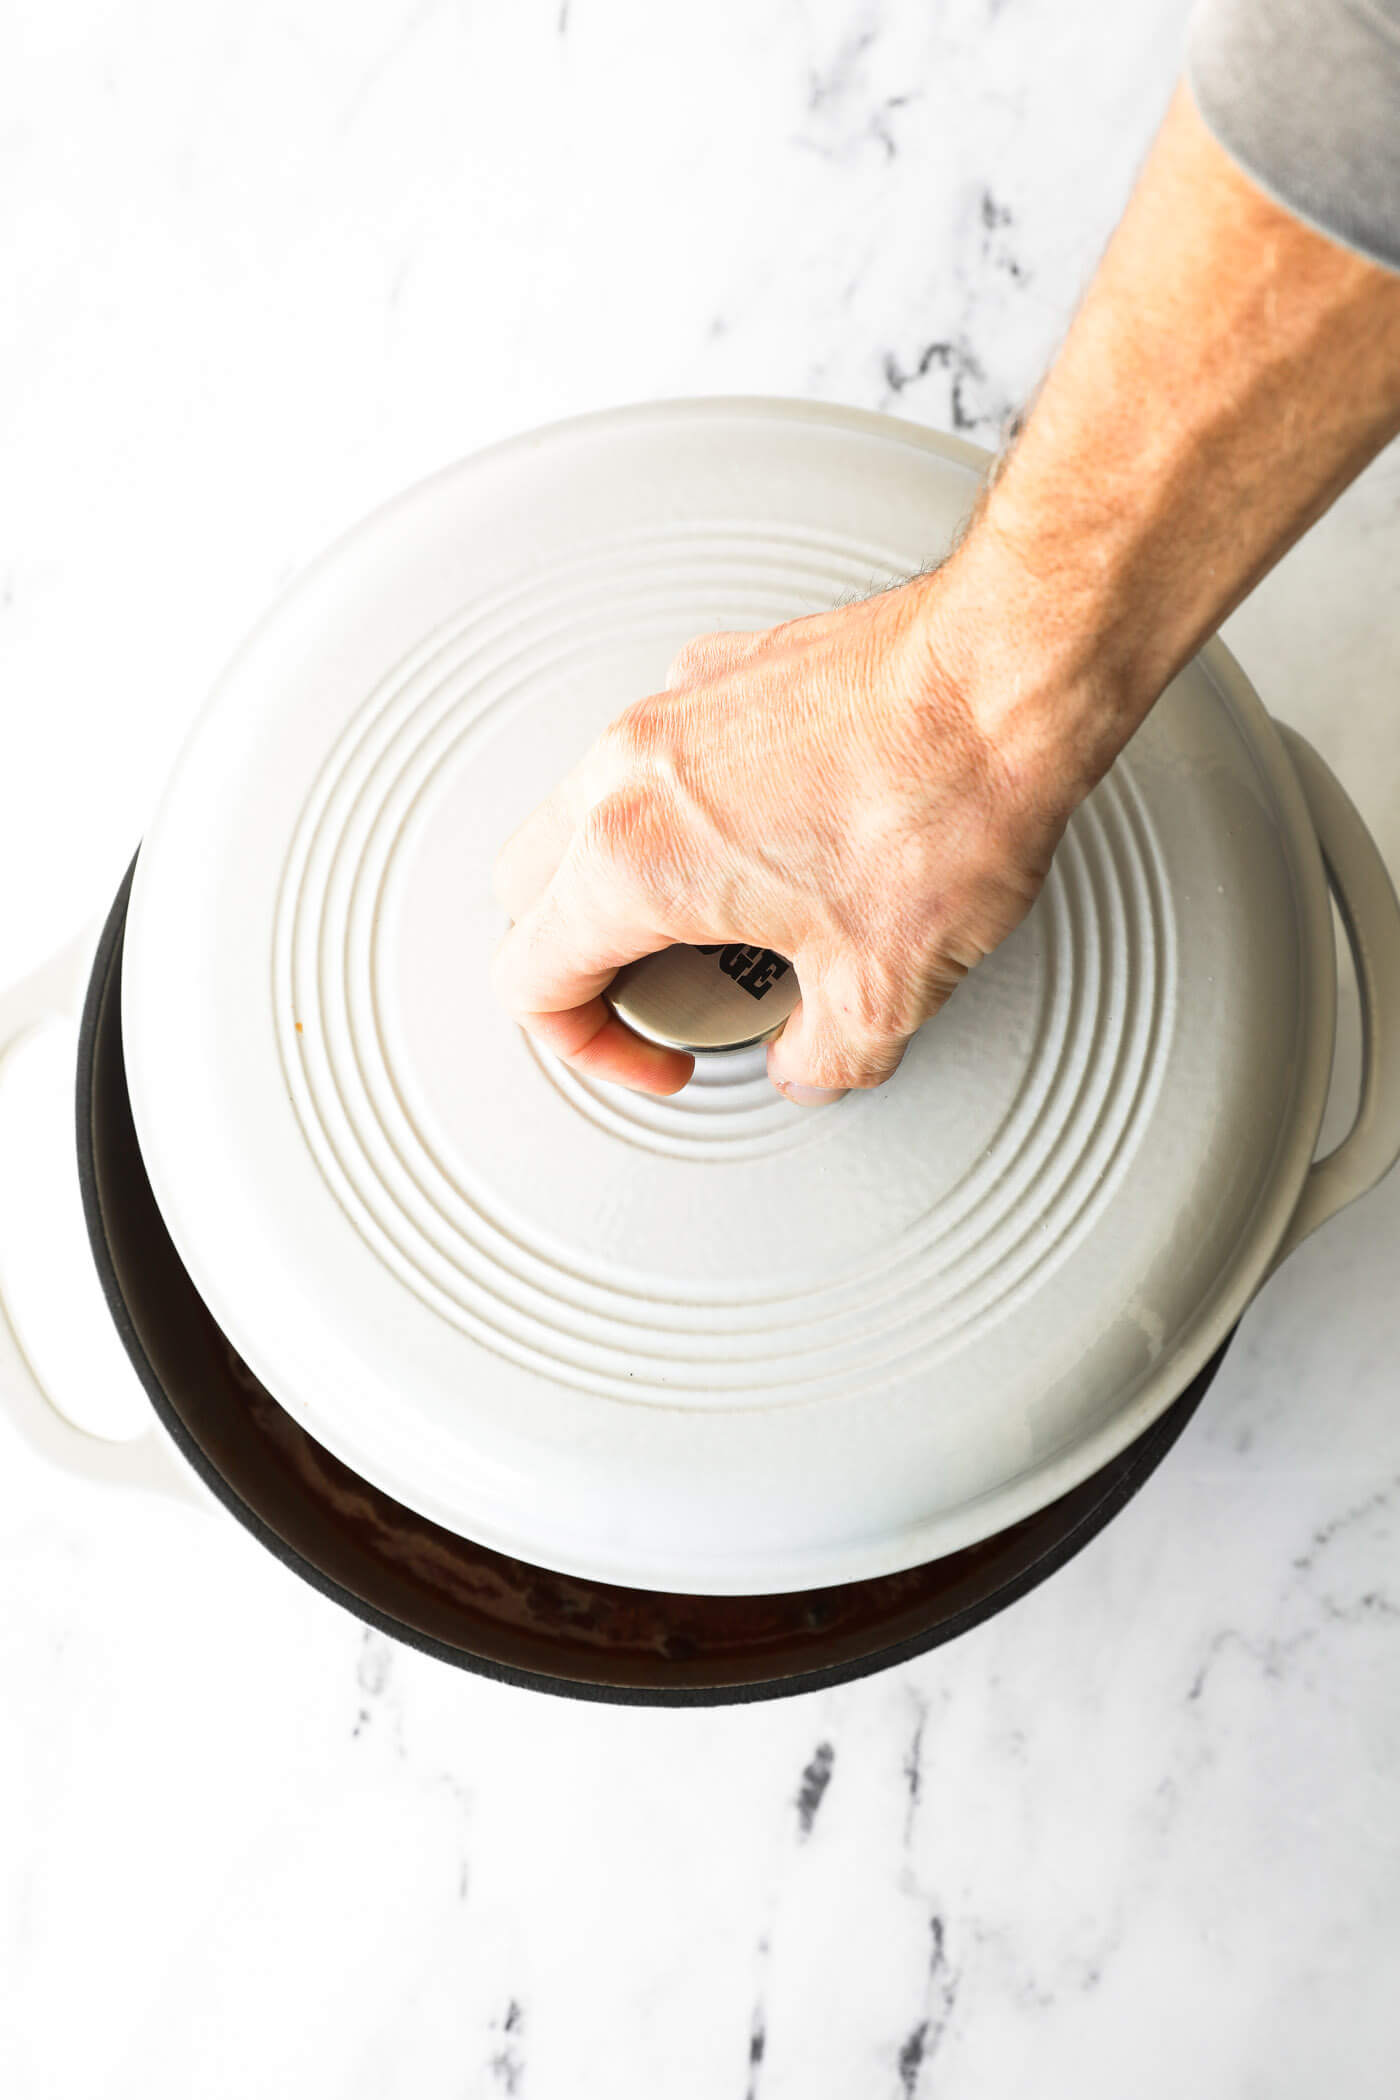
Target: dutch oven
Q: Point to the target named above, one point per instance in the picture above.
(708, 1397)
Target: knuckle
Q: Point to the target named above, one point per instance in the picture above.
(715, 656)
(689, 661)
(709, 655)
(614, 826)
(628, 838)
(638, 739)
(623, 738)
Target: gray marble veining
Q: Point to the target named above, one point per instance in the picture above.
(1138, 1836)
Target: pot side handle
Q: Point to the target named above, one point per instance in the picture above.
(1370, 912)
(148, 1461)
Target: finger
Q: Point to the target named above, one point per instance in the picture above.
(709, 655)
(553, 964)
(567, 945)
(591, 1039)
(821, 1055)
(529, 860)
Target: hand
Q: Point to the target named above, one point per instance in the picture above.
(842, 789)
(876, 792)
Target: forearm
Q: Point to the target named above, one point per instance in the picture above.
(1229, 373)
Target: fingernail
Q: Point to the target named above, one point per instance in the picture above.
(809, 1096)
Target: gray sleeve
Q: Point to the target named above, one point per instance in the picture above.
(1305, 95)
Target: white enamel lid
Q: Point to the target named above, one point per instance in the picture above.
(713, 1343)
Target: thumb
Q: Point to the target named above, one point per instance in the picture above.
(824, 1049)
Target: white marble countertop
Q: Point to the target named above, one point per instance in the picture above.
(1137, 1836)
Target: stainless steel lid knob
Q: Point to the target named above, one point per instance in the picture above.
(723, 997)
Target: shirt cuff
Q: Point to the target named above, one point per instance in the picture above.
(1305, 96)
